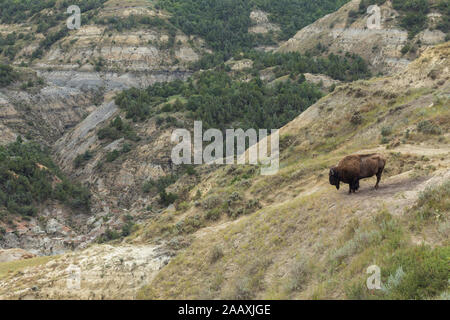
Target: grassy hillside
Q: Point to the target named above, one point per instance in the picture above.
(292, 235)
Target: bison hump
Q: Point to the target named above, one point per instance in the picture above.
(350, 167)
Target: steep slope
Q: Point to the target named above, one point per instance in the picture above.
(237, 234)
(385, 47)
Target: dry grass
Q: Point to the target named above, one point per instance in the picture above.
(13, 267)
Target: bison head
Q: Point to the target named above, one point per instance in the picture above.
(334, 177)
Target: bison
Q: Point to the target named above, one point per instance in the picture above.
(355, 167)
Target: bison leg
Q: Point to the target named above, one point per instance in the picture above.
(378, 178)
(353, 186)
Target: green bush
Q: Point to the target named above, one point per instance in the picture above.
(7, 75)
(298, 275)
(109, 235)
(118, 129)
(113, 155)
(216, 254)
(166, 199)
(428, 127)
(213, 214)
(160, 184)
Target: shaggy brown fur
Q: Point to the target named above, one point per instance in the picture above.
(355, 167)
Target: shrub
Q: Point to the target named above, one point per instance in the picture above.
(167, 198)
(243, 290)
(81, 159)
(7, 75)
(213, 214)
(386, 131)
(426, 272)
(393, 281)
(113, 155)
(109, 235)
(117, 129)
(211, 202)
(127, 229)
(384, 140)
(125, 148)
(362, 239)
(356, 118)
(216, 254)
(160, 184)
(298, 275)
(190, 170)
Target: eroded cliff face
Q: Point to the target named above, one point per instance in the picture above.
(44, 115)
(90, 63)
(380, 47)
(301, 216)
(116, 186)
